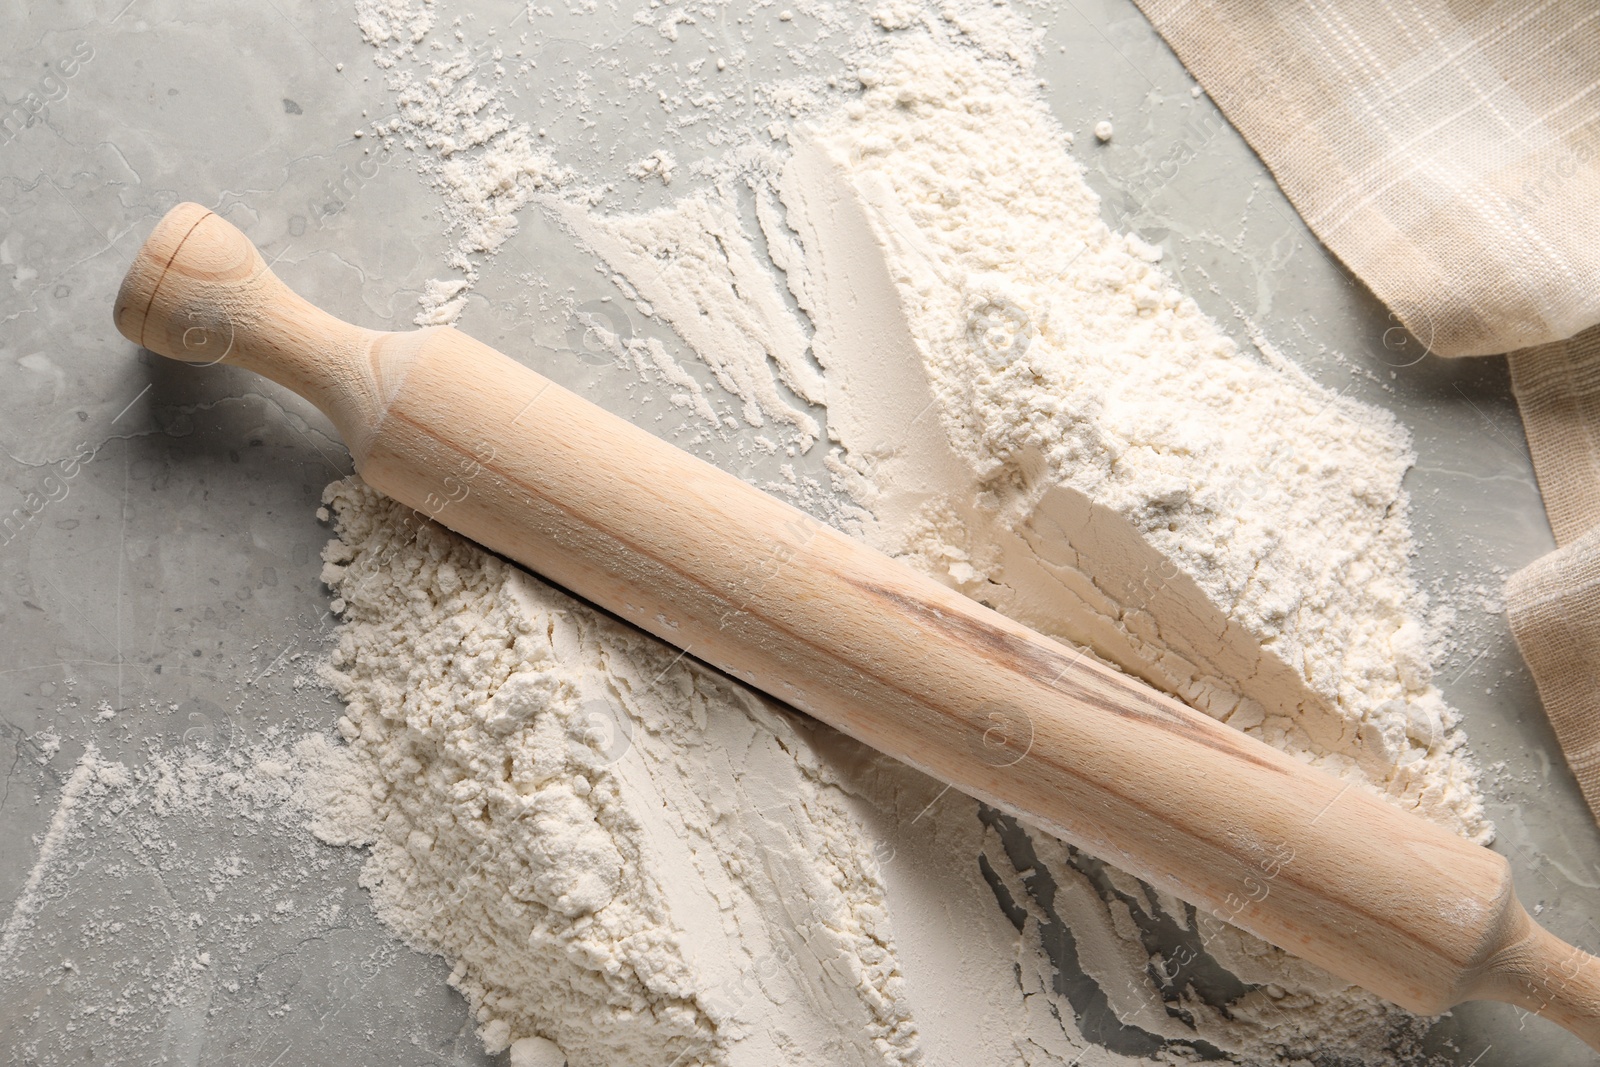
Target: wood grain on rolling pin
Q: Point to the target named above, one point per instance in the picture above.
(756, 587)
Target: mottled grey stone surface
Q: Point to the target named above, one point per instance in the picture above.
(172, 578)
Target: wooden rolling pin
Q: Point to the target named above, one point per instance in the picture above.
(745, 582)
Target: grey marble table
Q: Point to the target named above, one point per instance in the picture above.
(166, 591)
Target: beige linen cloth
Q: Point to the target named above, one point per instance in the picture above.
(1449, 154)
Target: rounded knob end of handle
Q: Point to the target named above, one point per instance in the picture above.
(188, 287)
(199, 291)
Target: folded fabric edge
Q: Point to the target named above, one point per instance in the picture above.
(1557, 387)
(1554, 607)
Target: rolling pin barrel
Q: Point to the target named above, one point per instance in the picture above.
(498, 453)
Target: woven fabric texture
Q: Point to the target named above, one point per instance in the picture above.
(1448, 153)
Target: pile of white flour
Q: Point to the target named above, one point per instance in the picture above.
(1029, 407)
(1089, 411)
(622, 852)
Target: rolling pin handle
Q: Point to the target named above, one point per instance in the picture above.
(1542, 974)
(199, 292)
